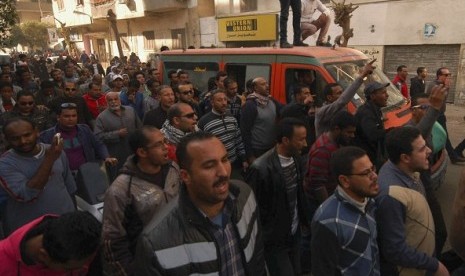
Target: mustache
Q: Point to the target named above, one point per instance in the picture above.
(220, 180)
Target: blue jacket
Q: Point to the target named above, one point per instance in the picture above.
(138, 105)
(94, 148)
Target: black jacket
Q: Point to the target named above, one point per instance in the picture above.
(266, 178)
(178, 240)
(417, 86)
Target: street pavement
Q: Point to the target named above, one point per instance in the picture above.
(456, 126)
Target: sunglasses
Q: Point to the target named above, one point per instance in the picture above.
(420, 106)
(26, 103)
(67, 105)
(70, 89)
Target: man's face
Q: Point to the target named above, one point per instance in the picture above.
(155, 74)
(47, 91)
(403, 73)
(70, 89)
(69, 72)
(131, 70)
(68, 118)
(6, 78)
(207, 179)
(261, 87)
(113, 101)
(445, 77)
(219, 83)
(298, 140)
(174, 77)
(363, 181)
(424, 74)
(183, 77)
(95, 91)
(380, 97)
(186, 93)
(140, 78)
(156, 150)
(187, 121)
(22, 137)
(26, 104)
(26, 77)
(117, 83)
(303, 95)
(219, 102)
(97, 79)
(6, 93)
(231, 90)
(167, 97)
(6, 69)
(345, 136)
(418, 158)
(56, 76)
(307, 78)
(335, 94)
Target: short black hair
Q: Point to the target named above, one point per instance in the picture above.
(439, 71)
(220, 74)
(138, 138)
(4, 84)
(46, 84)
(171, 72)
(400, 67)
(342, 120)
(329, 88)
(92, 84)
(133, 83)
(72, 236)
(227, 81)
(341, 161)
(17, 119)
(184, 159)
(285, 128)
(399, 141)
(25, 93)
(182, 72)
(420, 70)
(298, 89)
(418, 96)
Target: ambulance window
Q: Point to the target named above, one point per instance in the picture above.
(199, 72)
(305, 77)
(243, 72)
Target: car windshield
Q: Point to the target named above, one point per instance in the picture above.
(345, 73)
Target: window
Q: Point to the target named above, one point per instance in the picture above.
(149, 40)
(243, 72)
(178, 39)
(79, 2)
(124, 41)
(60, 5)
(199, 72)
(248, 5)
(307, 77)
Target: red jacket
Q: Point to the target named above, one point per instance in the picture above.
(11, 263)
(402, 85)
(95, 105)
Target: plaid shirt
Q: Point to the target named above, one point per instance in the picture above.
(234, 107)
(228, 243)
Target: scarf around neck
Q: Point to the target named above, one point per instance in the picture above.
(173, 134)
(261, 100)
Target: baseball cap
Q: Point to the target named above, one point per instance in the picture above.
(374, 86)
(116, 76)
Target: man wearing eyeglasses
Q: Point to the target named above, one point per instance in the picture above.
(344, 227)
(70, 96)
(181, 121)
(405, 224)
(444, 77)
(148, 181)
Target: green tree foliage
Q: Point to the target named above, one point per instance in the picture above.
(8, 18)
(34, 34)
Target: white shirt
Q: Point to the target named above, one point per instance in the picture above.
(308, 10)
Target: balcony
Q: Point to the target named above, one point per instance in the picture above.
(164, 5)
(99, 8)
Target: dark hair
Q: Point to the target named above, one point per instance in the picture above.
(151, 70)
(161, 87)
(46, 84)
(182, 156)
(139, 139)
(420, 70)
(138, 73)
(418, 96)
(17, 119)
(182, 72)
(342, 120)
(92, 84)
(399, 141)
(249, 85)
(5, 74)
(24, 93)
(54, 70)
(341, 161)
(298, 89)
(400, 67)
(133, 83)
(174, 111)
(211, 84)
(171, 72)
(66, 106)
(439, 71)
(220, 74)
(4, 84)
(164, 48)
(285, 128)
(329, 88)
(150, 82)
(215, 92)
(227, 81)
(72, 236)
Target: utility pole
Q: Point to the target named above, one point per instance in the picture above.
(111, 16)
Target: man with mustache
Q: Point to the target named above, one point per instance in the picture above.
(276, 178)
(406, 231)
(213, 228)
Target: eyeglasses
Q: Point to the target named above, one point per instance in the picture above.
(367, 173)
(187, 92)
(26, 103)
(67, 105)
(189, 115)
(157, 144)
(70, 89)
(447, 74)
(420, 106)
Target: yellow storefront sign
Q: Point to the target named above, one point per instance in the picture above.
(248, 28)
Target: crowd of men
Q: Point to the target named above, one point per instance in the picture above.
(216, 182)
